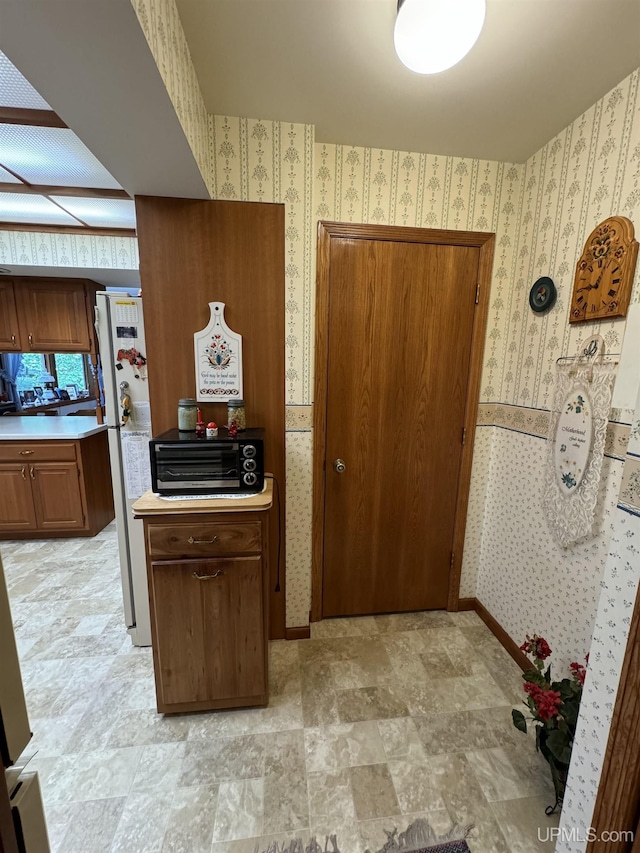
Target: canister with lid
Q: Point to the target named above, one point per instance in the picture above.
(236, 412)
(187, 414)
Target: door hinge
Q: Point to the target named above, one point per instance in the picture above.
(477, 292)
(453, 559)
(464, 435)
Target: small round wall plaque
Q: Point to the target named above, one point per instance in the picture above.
(542, 295)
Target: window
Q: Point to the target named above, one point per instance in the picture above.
(71, 369)
(53, 370)
(33, 372)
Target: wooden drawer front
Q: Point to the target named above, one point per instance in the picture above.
(209, 539)
(37, 451)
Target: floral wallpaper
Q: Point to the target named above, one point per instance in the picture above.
(475, 511)
(524, 579)
(619, 588)
(588, 172)
(27, 248)
(160, 22)
(299, 491)
(269, 161)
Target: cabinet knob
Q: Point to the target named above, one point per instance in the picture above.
(13, 339)
(31, 341)
(339, 466)
(208, 577)
(193, 541)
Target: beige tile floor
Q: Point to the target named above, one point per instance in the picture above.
(372, 722)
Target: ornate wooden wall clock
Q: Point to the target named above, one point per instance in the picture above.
(604, 273)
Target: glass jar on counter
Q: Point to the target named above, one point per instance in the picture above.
(236, 412)
(187, 414)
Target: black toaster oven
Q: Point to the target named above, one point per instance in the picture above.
(182, 464)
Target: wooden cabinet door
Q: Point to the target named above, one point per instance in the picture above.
(57, 495)
(53, 317)
(209, 629)
(9, 332)
(17, 511)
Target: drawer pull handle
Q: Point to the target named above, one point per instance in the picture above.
(208, 577)
(24, 476)
(13, 339)
(32, 472)
(31, 341)
(27, 452)
(193, 541)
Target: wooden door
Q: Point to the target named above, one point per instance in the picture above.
(57, 495)
(209, 629)
(17, 511)
(53, 317)
(400, 319)
(9, 332)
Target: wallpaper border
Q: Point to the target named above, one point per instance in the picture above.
(535, 422)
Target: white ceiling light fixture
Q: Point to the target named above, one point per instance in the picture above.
(433, 35)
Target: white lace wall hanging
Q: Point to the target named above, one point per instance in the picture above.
(575, 445)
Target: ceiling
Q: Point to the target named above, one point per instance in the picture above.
(537, 65)
(47, 175)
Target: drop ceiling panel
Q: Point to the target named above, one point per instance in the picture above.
(16, 91)
(7, 177)
(16, 207)
(100, 212)
(53, 156)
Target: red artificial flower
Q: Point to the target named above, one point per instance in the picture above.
(547, 702)
(578, 671)
(537, 647)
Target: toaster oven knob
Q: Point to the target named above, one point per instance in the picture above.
(250, 479)
(249, 464)
(248, 451)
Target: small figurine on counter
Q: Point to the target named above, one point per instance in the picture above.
(212, 429)
(200, 425)
(233, 429)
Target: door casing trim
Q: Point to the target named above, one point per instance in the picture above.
(327, 231)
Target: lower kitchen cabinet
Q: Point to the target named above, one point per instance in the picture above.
(208, 596)
(209, 628)
(17, 511)
(55, 488)
(57, 496)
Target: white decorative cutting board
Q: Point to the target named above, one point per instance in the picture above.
(218, 359)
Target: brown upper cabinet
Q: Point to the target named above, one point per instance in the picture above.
(9, 331)
(47, 315)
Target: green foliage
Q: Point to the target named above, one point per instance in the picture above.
(70, 370)
(519, 720)
(554, 707)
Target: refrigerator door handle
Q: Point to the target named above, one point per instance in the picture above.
(96, 323)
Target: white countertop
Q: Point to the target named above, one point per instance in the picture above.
(39, 428)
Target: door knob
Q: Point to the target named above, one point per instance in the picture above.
(338, 466)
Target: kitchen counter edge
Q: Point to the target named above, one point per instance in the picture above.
(48, 429)
(150, 504)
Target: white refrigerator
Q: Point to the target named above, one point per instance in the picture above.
(120, 327)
